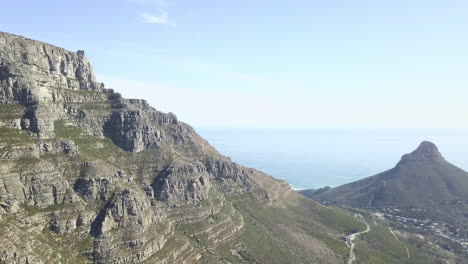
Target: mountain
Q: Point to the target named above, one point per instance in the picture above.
(90, 177)
(420, 177)
(422, 194)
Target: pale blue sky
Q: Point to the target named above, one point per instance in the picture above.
(296, 63)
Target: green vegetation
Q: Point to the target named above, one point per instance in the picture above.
(338, 245)
(295, 230)
(340, 220)
(47, 245)
(380, 246)
(77, 92)
(91, 105)
(78, 195)
(369, 247)
(420, 178)
(89, 145)
(10, 111)
(12, 138)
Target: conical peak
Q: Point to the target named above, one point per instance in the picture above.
(427, 151)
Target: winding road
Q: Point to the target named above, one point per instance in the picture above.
(349, 239)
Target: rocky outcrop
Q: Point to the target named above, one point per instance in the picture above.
(427, 151)
(227, 173)
(55, 84)
(126, 209)
(29, 70)
(108, 177)
(40, 186)
(129, 229)
(28, 65)
(135, 127)
(182, 183)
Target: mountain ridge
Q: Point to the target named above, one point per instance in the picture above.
(88, 176)
(63, 117)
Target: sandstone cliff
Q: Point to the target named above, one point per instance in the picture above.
(78, 160)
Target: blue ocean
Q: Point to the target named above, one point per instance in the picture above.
(314, 158)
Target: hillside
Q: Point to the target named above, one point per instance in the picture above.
(90, 177)
(421, 177)
(422, 194)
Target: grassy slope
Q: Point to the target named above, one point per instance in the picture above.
(409, 183)
(10, 112)
(297, 230)
(380, 246)
(293, 230)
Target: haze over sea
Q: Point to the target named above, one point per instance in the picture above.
(314, 158)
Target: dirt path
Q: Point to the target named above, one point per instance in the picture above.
(407, 252)
(391, 231)
(394, 235)
(349, 239)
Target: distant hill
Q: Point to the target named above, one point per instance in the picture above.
(421, 177)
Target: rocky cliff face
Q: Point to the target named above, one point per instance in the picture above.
(87, 176)
(107, 176)
(426, 152)
(29, 70)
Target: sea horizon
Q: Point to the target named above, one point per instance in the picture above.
(312, 158)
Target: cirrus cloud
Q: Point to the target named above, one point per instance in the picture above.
(163, 18)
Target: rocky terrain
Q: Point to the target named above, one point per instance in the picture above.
(90, 177)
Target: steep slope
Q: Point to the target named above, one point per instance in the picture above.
(421, 177)
(93, 162)
(90, 177)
